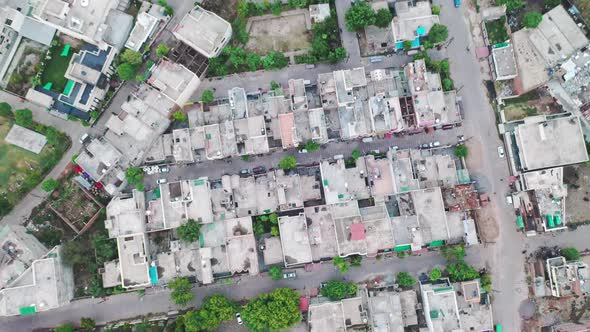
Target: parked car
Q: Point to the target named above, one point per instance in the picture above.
(424, 146)
(457, 3)
(245, 171)
(85, 137)
(509, 199)
(259, 170)
(434, 144)
(461, 138)
(239, 319)
(290, 275)
(303, 151)
(164, 169)
(161, 181)
(501, 152)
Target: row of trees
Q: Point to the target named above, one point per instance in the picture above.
(325, 45)
(443, 68)
(235, 59)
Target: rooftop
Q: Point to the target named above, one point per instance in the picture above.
(544, 143)
(19, 250)
(126, 215)
(144, 27)
(321, 230)
(410, 20)
(380, 172)
(567, 278)
(392, 311)
(341, 183)
(440, 307)
(289, 193)
(295, 240)
(133, 261)
(241, 246)
(475, 309)
(26, 139)
(175, 81)
(204, 31)
(504, 62)
(98, 158)
(427, 205)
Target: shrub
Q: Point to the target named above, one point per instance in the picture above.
(24, 117)
(461, 151)
(570, 253)
(162, 50)
(337, 290)
(49, 185)
(189, 231)
(126, 71)
(288, 163)
(359, 16)
(532, 19)
(435, 274)
(181, 291)
(311, 146)
(383, 18)
(5, 110)
(179, 116)
(207, 96)
(438, 33)
(275, 273)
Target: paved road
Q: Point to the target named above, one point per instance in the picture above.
(129, 305)
(216, 168)
(504, 256)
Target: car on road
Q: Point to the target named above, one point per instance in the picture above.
(259, 170)
(461, 138)
(424, 146)
(84, 138)
(245, 171)
(165, 169)
(509, 199)
(501, 153)
(457, 3)
(290, 275)
(303, 151)
(161, 181)
(239, 319)
(434, 144)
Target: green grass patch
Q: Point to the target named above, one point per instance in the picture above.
(22, 170)
(55, 68)
(533, 95)
(497, 32)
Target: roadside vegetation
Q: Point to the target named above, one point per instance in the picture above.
(443, 68)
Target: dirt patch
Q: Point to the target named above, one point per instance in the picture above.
(285, 33)
(24, 76)
(226, 9)
(487, 224)
(578, 197)
(515, 110)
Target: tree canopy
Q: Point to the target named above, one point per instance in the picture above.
(207, 96)
(181, 291)
(359, 16)
(274, 311)
(126, 71)
(87, 324)
(131, 57)
(288, 163)
(189, 231)
(162, 50)
(570, 253)
(434, 274)
(275, 273)
(24, 117)
(337, 290)
(275, 60)
(134, 176)
(72, 253)
(66, 327)
(49, 185)
(405, 280)
(215, 310)
(383, 18)
(511, 5)
(341, 264)
(179, 116)
(461, 271)
(311, 146)
(532, 19)
(5, 109)
(438, 33)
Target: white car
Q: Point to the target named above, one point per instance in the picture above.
(501, 152)
(161, 181)
(239, 318)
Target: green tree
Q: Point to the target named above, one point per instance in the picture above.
(275, 273)
(105, 248)
(356, 154)
(189, 231)
(461, 271)
(447, 84)
(236, 56)
(298, 3)
(453, 253)
(273, 218)
(438, 33)
(274, 85)
(181, 291)
(511, 5)
(532, 19)
(288, 163)
(5, 206)
(215, 310)
(383, 18)
(405, 280)
(275, 60)
(461, 151)
(435, 274)
(407, 44)
(179, 116)
(94, 114)
(486, 282)
(5, 110)
(253, 61)
(276, 8)
(162, 50)
(359, 16)
(24, 117)
(49, 185)
(242, 8)
(337, 54)
(356, 260)
(87, 324)
(134, 176)
(239, 32)
(337, 290)
(311, 146)
(53, 136)
(274, 230)
(72, 253)
(207, 96)
(341, 264)
(131, 57)
(126, 71)
(274, 311)
(66, 327)
(570, 253)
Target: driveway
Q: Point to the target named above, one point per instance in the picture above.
(124, 306)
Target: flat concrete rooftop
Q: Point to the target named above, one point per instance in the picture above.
(295, 240)
(26, 139)
(204, 31)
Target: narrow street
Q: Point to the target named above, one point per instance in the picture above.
(130, 305)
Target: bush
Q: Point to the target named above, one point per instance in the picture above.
(66, 327)
(407, 44)
(275, 273)
(434, 274)
(356, 154)
(189, 231)
(134, 176)
(49, 185)
(311, 146)
(532, 19)
(5, 110)
(131, 57)
(511, 5)
(337, 290)
(461, 151)
(207, 96)
(179, 116)
(405, 280)
(570, 253)
(341, 264)
(461, 271)
(275, 60)
(435, 10)
(447, 84)
(24, 117)
(359, 16)
(126, 71)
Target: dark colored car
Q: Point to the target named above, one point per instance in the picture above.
(259, 170)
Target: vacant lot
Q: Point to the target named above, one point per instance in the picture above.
(285, 33)
(577, 202)
(529, 105)
(497, 32)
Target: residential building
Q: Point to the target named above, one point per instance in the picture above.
(412, 22)
(337, 316)
(174, 80)
(204, 31)
(567, 278)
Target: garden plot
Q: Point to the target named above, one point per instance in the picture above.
(288, 32)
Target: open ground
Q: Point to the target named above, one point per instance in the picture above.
(285, 33)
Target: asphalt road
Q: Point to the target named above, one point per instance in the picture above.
(128, 305)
